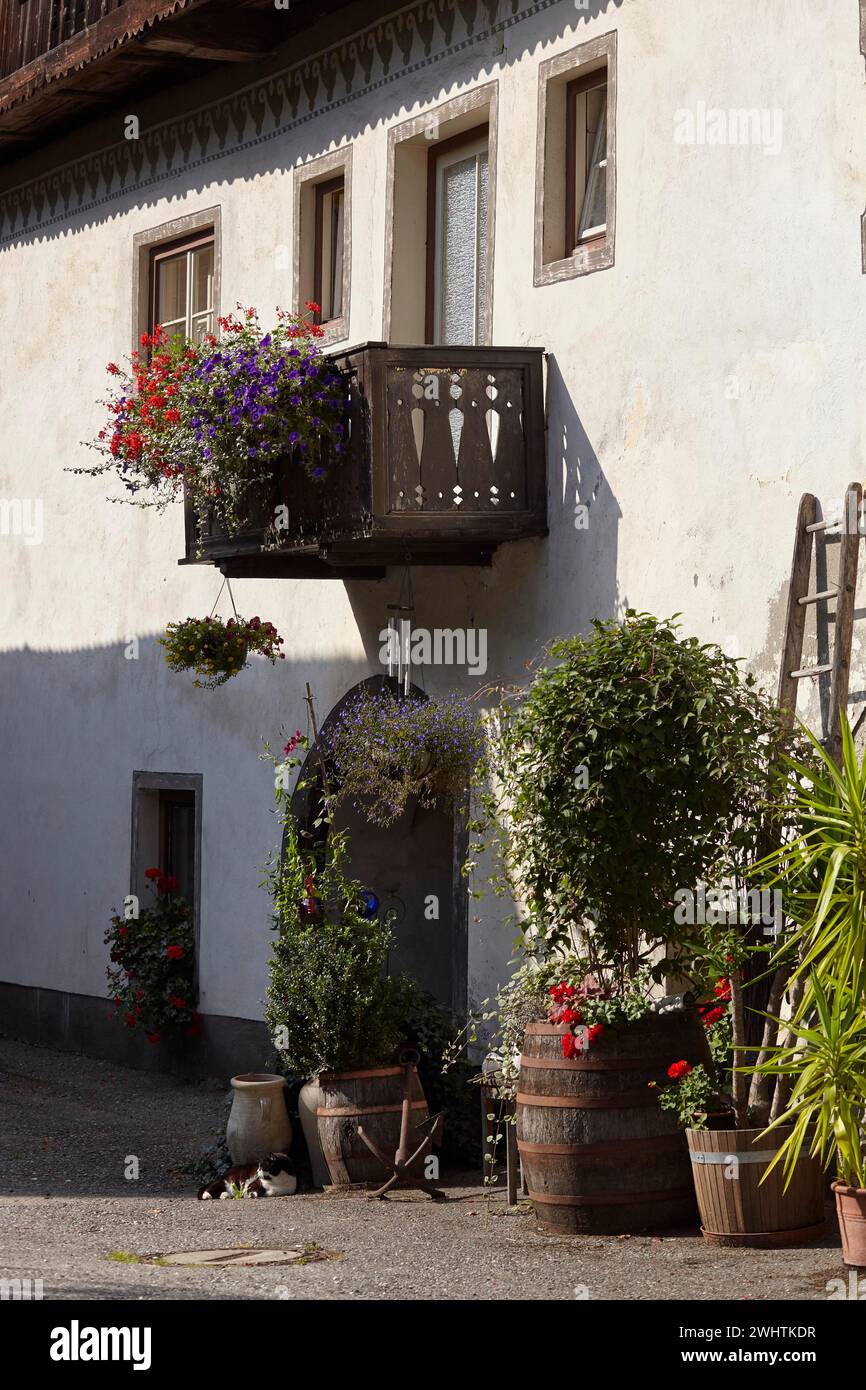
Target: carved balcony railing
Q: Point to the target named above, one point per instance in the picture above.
(446, 460)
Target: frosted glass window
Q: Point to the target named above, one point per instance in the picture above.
(461, 263)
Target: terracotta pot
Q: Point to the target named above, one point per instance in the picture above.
(308, 1102)
(851, 1211)
(259, 1123)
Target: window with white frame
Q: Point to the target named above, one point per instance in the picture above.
(182, 287)
(586, 158)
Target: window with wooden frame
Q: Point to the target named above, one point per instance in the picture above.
(458, 238)
(322, 213)
(585, 159)
(575, 181)
(166, 833)
(329, 249)
(182, 286)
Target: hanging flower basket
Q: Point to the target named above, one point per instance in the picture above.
(210, 418)
(385, 750)
(216, 650)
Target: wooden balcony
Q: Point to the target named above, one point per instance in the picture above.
(446, 461)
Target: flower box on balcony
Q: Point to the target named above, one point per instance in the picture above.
(446, 460)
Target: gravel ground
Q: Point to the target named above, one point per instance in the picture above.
(68, 1124)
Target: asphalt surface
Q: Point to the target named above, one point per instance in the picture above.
(69, 1216)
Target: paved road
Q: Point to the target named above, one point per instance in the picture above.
(68, 1126)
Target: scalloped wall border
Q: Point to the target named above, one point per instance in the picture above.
(272, 107)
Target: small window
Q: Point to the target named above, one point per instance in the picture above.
(166, 832)
(575, 176)
(323, 240)
(329, 249)
(586, 159)
(182, 287)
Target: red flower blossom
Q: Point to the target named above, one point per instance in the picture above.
(130, 1020)
(594, 1031)
(677, 1070)
(176, 1002)
(722, 989)
(313, 307)
(166, 883)
(153, 873)
(174, 952)
(712, 1016)
(569, 1046)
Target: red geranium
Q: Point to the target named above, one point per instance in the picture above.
(677, 1070)
(174, 952)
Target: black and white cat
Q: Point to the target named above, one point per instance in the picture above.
(273, 1176)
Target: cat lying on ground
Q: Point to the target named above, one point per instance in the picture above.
(273, 1176)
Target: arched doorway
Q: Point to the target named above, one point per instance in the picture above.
(413, 866)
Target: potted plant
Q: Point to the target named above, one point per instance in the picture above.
(333, 1011)
(151, 978)
(635, 763)
(818, 1060)
(216, 650)
(385, 749)
(741, 1197)
(209, 418)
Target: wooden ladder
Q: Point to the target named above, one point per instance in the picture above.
(844, 592)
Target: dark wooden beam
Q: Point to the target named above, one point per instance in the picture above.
(271, 566)
(221, 36)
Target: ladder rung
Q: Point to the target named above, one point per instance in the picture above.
(824, 525)
(811, 671)
(815, 598)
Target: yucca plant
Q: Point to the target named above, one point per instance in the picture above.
(827, 1060)
(823, 872)
(819, 1061)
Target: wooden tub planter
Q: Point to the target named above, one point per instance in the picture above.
(372, 1099)
(736, 1207)
(599, 1155)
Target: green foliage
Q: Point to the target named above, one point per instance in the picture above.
(151, 976)
(828, 1100)
(637, 762)
(526, 998)
(331, 1005)
(693, 1096)
(218, 650)
(823, 868)
(385, 750)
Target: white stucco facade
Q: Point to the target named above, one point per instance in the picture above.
(695, 387)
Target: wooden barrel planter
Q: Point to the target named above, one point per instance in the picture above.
(736, 1207)
(374, 1100)
(599, 1155)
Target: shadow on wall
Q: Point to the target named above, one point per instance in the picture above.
(536, 589)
